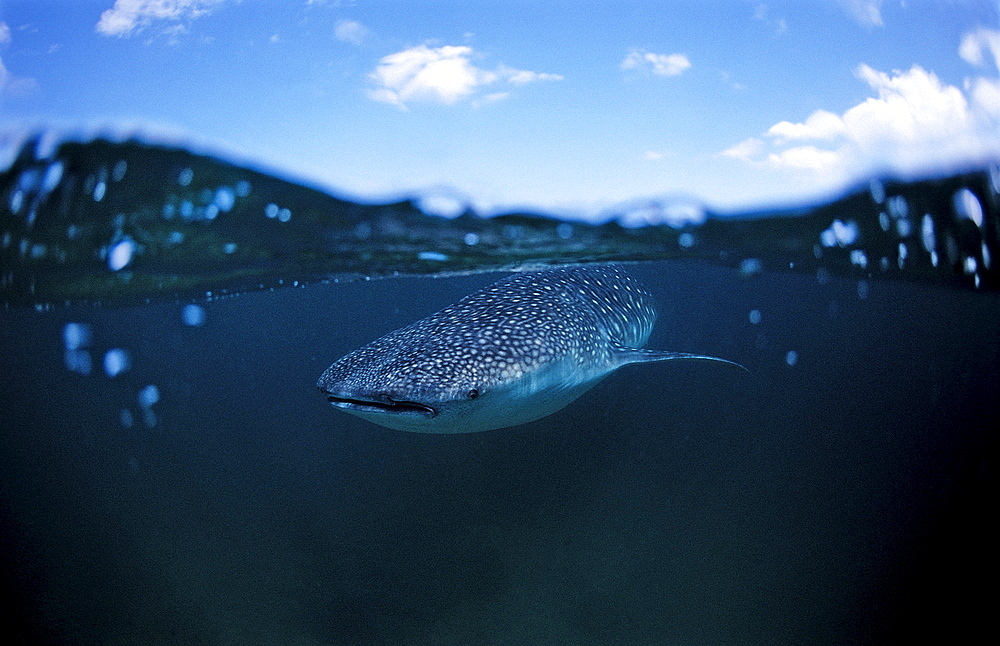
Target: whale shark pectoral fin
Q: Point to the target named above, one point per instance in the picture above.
(642, 355)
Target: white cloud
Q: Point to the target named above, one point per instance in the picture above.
(976, 44)
(11, 85)
(977, 48)
(985, 95)
(761, 14)
(820, 125)
(128, 17)
(747, 150)
(804, 158)
(16, 86)
(444, 75)
(350, 31)
(910, 106)
(867, 13)
(658, 64)
(5, 76)
(487, 99)
(523, 77)
(914, 122)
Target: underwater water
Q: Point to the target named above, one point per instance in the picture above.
(170, 475)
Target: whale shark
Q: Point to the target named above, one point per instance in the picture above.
(511, 353)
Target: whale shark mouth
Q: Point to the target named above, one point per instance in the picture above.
(381, 403)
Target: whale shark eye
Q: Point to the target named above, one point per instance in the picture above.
(473, 393)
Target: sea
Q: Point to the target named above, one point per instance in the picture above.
(170, 474)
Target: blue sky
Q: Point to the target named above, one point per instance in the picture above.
(566, 106)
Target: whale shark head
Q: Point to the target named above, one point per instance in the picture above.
(403, 382)
(511, 353)
(430, 378)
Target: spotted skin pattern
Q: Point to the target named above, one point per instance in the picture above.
(510, 353)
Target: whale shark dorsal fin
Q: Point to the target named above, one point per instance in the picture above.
(642, 355)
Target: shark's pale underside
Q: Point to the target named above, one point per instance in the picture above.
(510, 353)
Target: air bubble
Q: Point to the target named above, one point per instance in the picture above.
(120, 254)
(193, 315)
(149, 396)
(847, 232)
(927, 233)
(77, 361)
(76, 335)
(432, 255)
(750, 266)
(116, 361)
(118, 172)
(951, 247)
(898, 206)
(444, 206)
(967, 206)
(863, 289)
(840, 233)
(52, 176)
(877, 189)
(225, 198)
(362, 230)
(16, 201)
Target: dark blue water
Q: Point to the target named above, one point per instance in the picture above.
(840, 494)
